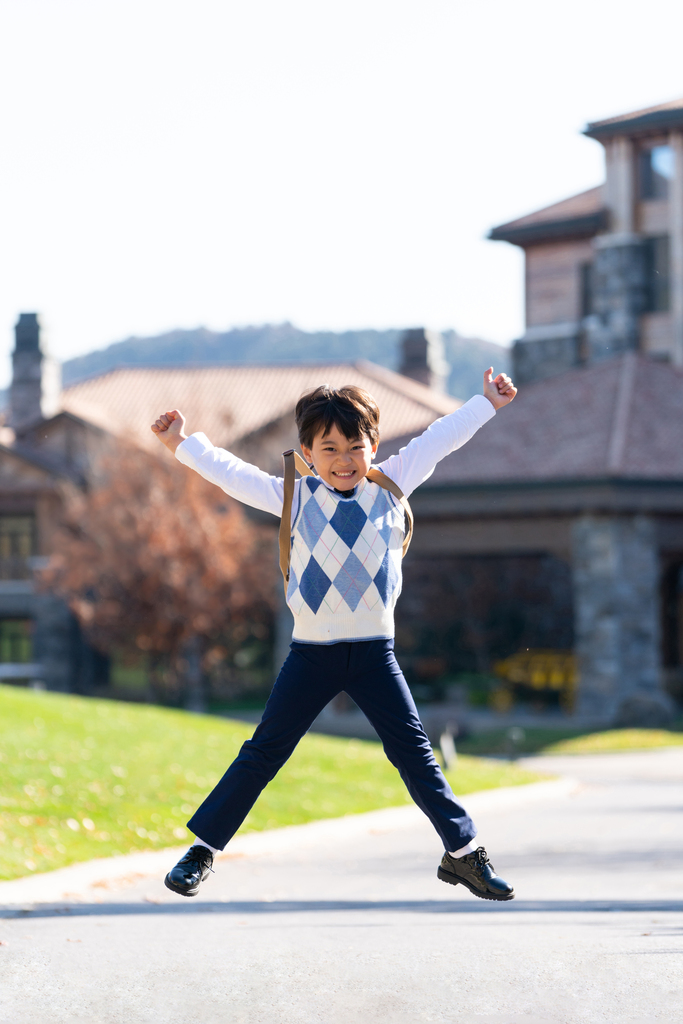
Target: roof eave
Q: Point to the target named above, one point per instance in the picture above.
(568, 229)
(646, 124)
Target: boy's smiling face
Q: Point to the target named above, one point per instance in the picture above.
(339, 462)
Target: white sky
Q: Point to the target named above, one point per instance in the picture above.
(336, 163)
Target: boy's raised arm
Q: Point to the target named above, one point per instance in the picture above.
(239, 479)
(417, 461)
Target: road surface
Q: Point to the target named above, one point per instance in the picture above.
(344, 924)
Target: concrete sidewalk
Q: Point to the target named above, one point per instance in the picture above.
(347, 923)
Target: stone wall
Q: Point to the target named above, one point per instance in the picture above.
(541, 358)
(617, 619)
(619, 298)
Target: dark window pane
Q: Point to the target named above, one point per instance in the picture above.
(15, 641)
(586, 285)
(657, 274)
(17, 544)
(655, 171)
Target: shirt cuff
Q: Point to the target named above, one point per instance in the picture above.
(481, 407)
(192, 448)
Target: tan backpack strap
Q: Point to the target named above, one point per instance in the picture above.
(376, 476)
(292, 461)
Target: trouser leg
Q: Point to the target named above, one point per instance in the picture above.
(378, 687)
(306, 683)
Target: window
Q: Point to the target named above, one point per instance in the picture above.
(15, 641)
(17, 544)
(657, 274)
(656, 167)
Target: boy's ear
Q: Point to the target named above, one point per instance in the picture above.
(307, 454)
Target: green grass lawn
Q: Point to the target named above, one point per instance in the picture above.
(571, 741)
(83, 778)
(614, 740)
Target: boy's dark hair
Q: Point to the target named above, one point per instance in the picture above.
(352, 410)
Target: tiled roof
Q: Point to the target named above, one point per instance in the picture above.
(619, 419)
(229, 402)
(660, 117)
(577, 216)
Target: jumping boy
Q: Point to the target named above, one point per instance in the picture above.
(346, 538)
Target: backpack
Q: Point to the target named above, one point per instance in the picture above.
(293, 462)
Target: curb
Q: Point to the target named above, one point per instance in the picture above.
(80, 882)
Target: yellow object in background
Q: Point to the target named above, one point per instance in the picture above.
(540, 670)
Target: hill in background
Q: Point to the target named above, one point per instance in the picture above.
(284, 343)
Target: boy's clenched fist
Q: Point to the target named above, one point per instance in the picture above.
(170, 429)
(499, 390)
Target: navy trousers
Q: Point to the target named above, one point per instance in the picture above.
(310, 677)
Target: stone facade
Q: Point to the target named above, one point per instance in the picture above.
(617, 619)
(547, 352)
(619, 298)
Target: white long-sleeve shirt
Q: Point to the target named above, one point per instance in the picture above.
(345, 575)
(409, 468)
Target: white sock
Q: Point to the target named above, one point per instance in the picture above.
(470, 848)
(200, 842)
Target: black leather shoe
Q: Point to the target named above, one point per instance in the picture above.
(190, 871)
(476, 873)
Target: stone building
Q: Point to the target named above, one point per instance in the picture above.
(560, 526)
(43, 451)
(573, 498)
(604, 269)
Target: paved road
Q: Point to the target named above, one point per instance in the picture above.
(355, 929)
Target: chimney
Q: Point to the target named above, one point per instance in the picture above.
(36, 378)
(423, 358)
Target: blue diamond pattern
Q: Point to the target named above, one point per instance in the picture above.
(312, 523)
(380, 518)
(381, 505)
(352, 580)
(348, 521)
(314, 584)
(386, 579)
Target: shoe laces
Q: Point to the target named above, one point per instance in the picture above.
(481, 858)
(199, 860)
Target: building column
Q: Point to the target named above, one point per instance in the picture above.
(621, 185)
(619, 280)
(617, 622)
(676, 236)
(619, 297)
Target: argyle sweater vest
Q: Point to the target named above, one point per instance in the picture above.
(345, 573)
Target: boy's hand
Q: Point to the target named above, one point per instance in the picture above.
(170, 429)
(499, 390)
